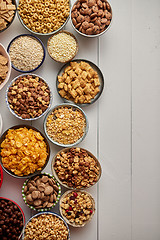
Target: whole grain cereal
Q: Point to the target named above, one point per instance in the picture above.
(3, 68)
(65, 125)
(26, 53)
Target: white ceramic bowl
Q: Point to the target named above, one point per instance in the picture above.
(3, 51)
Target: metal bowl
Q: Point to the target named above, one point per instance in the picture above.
(65, 185)
(45, 140)
(16, 115)
(41, 209)
(38, 40)
(9, 24)
(6, 55)
(46, 213)
(101, 80)
(70, 106)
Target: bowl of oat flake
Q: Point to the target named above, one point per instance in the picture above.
(27, 53)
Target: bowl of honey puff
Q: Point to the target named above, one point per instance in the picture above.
(80, 81)
(5, 66)
(76, 168)
(7, 13)
(24, 151)
(43, 17)
(77, 207)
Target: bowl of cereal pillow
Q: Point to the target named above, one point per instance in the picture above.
(7, 13)
(28, 97)
(24, 151)
(43, 17)
(5, 66)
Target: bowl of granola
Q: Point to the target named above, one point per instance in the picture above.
(24, 151)
(7, 13)
(5, 66)
(77, 207)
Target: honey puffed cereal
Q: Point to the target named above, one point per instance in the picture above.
(23, 151)
(44, 16)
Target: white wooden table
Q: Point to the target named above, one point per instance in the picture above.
(124, 128)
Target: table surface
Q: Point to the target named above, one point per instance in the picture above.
(124, 128)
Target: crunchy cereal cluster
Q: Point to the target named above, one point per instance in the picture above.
(76, 168)
(79, 82)
(66, 125)
(46, 227)
(23, 151)
(77, 207)
(3, 68)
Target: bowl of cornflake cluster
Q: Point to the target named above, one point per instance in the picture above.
(62, 46)
(46, 225)
(76, 168)
(7, 13)
(5, 66)
(66, 125)
(43, 17)
(80, 81)
(24, 151)
(28, 97)
(77, 207)
(27, 53)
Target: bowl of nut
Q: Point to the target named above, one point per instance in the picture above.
(41, 192)
(77, 207)
(76, 168)
(27, 53)
(62, 46)
(5, 66)
(46, 225)
(43, 17)
(91, 18)
(7, 13)
(80, 81)
(28, 97)
(12, 219)
(24, 151)
(66, 125)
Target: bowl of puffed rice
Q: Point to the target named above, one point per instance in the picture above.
(43, 17)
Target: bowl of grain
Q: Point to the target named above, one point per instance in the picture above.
(66, 125)
(27, 53)
(62, 46)
(43, 17)
(28, 97)
(5, 66)
(7, 13)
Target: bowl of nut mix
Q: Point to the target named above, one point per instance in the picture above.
(43, 17)
(80, 81)
(28, 97)
(77, 207)
(7, 13)
(66, 125)
(46, 225)
(27, 53)
(41, 192)
(91, 18)
(5, 66)
(1, 176)
(76, 168)
(24, 151)
(12, 220)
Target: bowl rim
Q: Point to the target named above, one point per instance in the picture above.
(68, 33)
(47, 213)
(41, 209)
(8, 25)
(91, 36)
(1, 172)
(101, 77)
(9, 66)
(34, 37)
(8, 105)
(65, 185)
(72, 106)
(44, 139)
(93, 207)
(43, 34)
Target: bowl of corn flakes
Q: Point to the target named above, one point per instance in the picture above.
(24, 151)
(5, 66)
